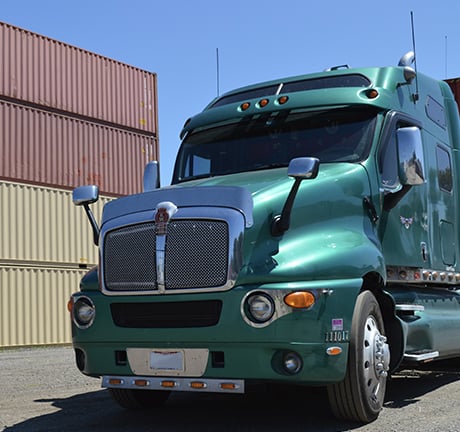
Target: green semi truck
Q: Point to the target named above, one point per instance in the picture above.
(309, 237)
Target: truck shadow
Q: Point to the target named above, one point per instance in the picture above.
(262, 409)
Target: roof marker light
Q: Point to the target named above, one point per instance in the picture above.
(282, 100)
(263, 103)
(244, 106)
(372, 93)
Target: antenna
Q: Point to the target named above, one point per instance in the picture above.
(415, 95)
(217, 72)
(445, 56)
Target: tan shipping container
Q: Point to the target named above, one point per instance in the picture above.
(47, 72)
(41, 226)
(33, 305)
(46, 148)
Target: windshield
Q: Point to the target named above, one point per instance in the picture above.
(272, 140)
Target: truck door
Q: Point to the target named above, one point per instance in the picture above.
(404, 224)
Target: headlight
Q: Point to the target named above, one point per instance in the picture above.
(83, 312)
(260, 307)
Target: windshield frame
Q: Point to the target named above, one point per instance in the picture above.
(272, 139)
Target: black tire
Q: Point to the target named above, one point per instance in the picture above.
(139, 399)
(360, 396)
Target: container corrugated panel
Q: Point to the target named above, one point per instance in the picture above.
(47, 72)
(42, 226)
(33, 305)
(43, 147)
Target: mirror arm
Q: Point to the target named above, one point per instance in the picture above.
(281, 223)
(93, 223)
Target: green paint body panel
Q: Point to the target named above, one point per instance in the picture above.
(332, 248)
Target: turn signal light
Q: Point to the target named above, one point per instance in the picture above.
(300, 299)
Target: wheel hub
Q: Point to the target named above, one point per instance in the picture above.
(376, 358)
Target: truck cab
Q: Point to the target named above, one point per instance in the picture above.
(308, 237)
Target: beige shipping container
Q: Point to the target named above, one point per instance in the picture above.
(42, 147)
(41, 226)
(47, 72)
(33, 305)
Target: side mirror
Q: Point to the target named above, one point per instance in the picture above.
(300, 169)
(410, 156)
(303, 168)
(84, 196)
(151, 176)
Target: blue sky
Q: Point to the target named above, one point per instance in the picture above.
(257, 41)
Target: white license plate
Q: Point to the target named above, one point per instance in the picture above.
(167, 360)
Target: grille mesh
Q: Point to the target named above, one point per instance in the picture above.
(129, 258)
(196, 256)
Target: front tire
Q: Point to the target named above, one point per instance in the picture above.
(360, 396)
(138, 399)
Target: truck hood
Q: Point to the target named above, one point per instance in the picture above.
(330, 227)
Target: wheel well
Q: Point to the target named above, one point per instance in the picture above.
(394, 331)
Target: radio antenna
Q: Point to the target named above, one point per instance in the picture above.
(416, 95)
(445, 56)
(217, 72)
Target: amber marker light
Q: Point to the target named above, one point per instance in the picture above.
(228, 386)
(198, 385)
(70, 305)
(372, 93)
(115, 381)
(263, 103)
(333, 351)
(300, 299)
(244, 106)
(168, 384)
(141, 382)
(282, 100)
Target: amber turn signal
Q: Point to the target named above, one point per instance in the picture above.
(300, 299)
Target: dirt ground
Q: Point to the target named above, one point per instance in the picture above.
(42, 390)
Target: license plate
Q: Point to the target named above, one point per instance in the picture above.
(167, 360)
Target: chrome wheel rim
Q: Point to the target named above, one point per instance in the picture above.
(376, 360)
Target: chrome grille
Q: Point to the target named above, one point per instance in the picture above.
(196, 256)
(129, 258)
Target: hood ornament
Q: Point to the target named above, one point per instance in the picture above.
(164, 211)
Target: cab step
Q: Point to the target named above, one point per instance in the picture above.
(421, 356)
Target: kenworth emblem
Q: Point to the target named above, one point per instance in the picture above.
(407, 222)
(164, 211)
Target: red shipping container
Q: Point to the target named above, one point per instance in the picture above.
(454, 84)
(43, 147)
(47, 72)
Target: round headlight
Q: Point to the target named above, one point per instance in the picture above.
(83, 312)
(260, 307)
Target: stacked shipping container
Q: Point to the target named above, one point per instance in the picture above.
(67, 117)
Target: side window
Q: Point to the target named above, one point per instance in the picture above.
(444, 169)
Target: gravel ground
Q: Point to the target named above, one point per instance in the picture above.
(41, 390)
